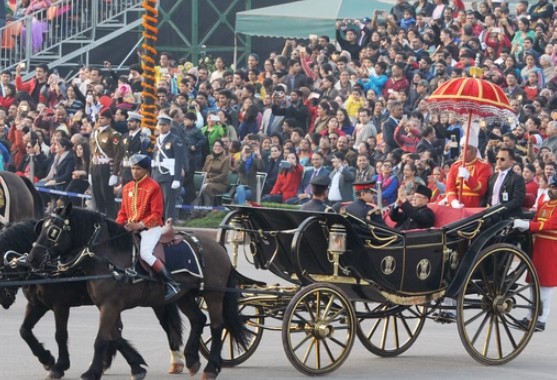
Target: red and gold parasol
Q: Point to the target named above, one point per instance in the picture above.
(472, 97)
(469, 98)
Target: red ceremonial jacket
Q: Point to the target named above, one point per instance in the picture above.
(474, 188)
(142, 201)
(544, 228)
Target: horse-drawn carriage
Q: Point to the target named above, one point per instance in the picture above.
(346, 278)
(352, 278)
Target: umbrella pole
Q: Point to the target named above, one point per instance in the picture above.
(464, 151)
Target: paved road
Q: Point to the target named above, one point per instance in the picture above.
(438, 353)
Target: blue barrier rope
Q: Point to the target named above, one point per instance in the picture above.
(119, 200)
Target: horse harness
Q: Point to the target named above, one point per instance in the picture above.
(54, 232)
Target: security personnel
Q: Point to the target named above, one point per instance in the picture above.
(414, 214)
(168, 156)
(134, 141)
(544, 229)
(107, 152)
(364, 207)
(505, 186)
(141, 211)
(320, 190)
(473, 176)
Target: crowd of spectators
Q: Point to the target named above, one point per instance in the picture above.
(356, 107)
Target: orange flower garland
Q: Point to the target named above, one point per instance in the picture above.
(148, 56)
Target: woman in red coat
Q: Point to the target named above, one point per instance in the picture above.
(288, 180)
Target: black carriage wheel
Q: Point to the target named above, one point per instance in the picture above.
(232, 353)
(318, 329)
(388, 330)
(499, 292)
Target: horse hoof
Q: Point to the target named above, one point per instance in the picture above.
(139, 376)
(89, 376)
(50, 364)
(54, 375)
(208, 376)
(194, 368)
(176, 368)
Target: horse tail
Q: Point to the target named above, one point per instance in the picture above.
(171, 322)
(232, 320)
(38, 205)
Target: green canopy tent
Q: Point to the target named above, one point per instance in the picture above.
(302, 18)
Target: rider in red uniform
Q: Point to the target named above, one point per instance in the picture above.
(141, 211)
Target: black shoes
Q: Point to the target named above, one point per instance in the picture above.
(444, 317)
(171, 287)
(525, 324)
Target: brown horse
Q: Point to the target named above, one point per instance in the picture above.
(59, 298)
(19, 199)
(100, 246)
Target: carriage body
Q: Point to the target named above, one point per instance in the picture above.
(382, 277)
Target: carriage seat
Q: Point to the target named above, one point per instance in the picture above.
(444, 215)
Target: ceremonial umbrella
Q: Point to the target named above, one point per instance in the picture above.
(471, 99)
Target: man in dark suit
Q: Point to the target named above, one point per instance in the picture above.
(505, 186)
(168, 163)
(305, 190)
(409, 216)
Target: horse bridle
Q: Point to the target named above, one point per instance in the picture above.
(53, 233)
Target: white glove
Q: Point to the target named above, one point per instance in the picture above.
(456, 204)
(175, 184)
(113, 180)
(443, 202)
(521, 224)
(463, 173)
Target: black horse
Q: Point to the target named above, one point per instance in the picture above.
(59, 298)
(69, 233)
(19, 199)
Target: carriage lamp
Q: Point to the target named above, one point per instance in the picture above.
(337, 244)
(235, 237)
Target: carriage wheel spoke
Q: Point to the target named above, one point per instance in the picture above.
(508, 262)
(505, 324)
(308, 349)
(480, 329)
(488, 336)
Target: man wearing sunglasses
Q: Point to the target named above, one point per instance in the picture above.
(505, 186)
(544, 229)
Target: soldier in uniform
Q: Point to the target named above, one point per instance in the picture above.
(320, 190)
(413, 215)
(168, 157)
(141, 212)
(544, 229)
(134, 141)
(473, 176)
(196, 142)
(364, 207)
(107, 152)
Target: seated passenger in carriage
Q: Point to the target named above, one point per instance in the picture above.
(413, 213)
(320, 190)
(364, 207)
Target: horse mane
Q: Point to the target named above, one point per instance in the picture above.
(83, 223)
(18, 236)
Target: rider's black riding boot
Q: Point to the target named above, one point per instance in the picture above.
(171, 287)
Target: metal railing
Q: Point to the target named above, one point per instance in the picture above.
(66, 26)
